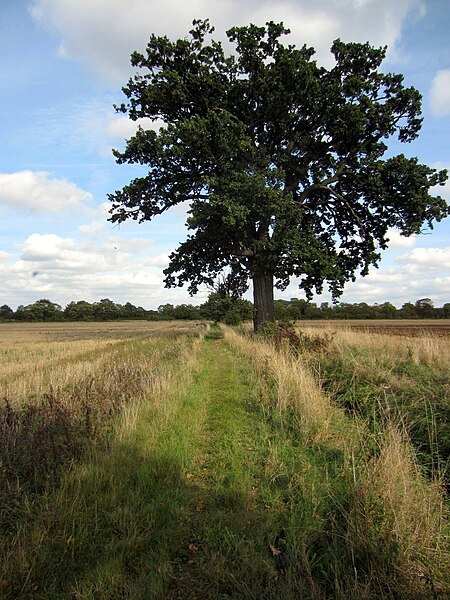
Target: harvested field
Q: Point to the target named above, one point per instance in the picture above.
(19, 333)
(406, 327)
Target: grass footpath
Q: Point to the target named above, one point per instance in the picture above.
(205, 494)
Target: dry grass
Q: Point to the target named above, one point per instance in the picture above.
(397, 522)
(60, 397)
(12, 334)
(427, 348)
(138, 383)
(383, 530)
(34, 356)
(288, 384)
(405, 517)
(397, 327)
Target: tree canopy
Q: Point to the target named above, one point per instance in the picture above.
(282, 160)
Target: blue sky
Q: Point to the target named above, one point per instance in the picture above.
(62, 65)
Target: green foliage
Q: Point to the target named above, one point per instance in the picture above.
(424, 308)
(41, 310)
(281, 160)
(79, 311)
(6, 312)
(105, 310)
(227, 309)
(186, 312)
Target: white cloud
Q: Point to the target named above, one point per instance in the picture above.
(396, 240)
(65, 269)
(102, 211)
(421, 273)
(50, 252)
(38, 192)
(102, 34)
(123, 128)
(440, 94)
(425, 260)
(92, 228)
(158, 260)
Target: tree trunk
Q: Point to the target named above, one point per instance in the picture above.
(263, 308)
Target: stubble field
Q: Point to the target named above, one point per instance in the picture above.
(403, 327)
(166, 460)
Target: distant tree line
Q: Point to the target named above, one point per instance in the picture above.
(296, 309)
(220, 307)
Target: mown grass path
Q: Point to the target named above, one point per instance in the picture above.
(208, 496)
(261, 497)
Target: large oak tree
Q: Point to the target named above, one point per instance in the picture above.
(282, 161)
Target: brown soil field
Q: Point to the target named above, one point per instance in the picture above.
(406, 327)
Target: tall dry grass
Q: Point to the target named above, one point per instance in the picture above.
(286, 383)
(34, 356)
(132, 395)
(402, 521)
(395, 522)
(378, 349)
(54, 408)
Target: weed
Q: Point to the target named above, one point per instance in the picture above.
(284, 335)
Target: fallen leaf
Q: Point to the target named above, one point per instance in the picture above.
(200, 506)
(69, 540)
(192, 548)
(275, 551)
(189, 476)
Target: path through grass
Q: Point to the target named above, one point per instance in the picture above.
(205, 495)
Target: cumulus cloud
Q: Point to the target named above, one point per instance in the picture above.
(440, 93)
(396, 240)
(92, 228)
(50, 252)
(36, 191)
(66, 269)
(424, 260)
(158, 260)
(46, 252)
(102, 34)
(420, 273)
